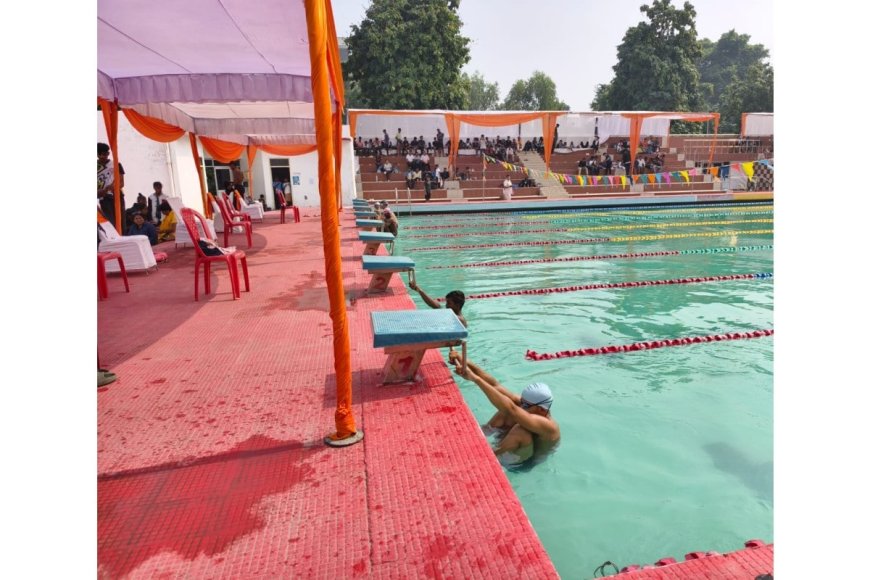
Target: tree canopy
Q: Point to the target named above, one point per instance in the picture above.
(537, 93)
(663, 66)
(408, 54)
(482, 96)
(656, 68)
(735, 68)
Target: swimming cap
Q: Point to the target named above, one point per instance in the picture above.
(538, 394)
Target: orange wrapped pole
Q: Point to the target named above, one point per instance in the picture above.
(316, 17)
(110, 118)
(206, 206)
(715, 138)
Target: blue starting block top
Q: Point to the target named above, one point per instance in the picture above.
(369, 223)
(376, 237)
(364, 214)
(397, 327)
(387, 263)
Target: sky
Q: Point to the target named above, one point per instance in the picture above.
(574, 42)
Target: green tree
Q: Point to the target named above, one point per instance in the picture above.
(656, 64)
(538, 93)
(728, 61)
(407, 54)
(482, 96)
(752, 93)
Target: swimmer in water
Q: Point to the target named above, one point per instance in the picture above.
(524, 419)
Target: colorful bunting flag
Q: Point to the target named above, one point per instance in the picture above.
(685, 175)
(748, 169)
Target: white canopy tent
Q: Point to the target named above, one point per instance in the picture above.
(756, 124)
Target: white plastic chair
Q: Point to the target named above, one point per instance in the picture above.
(181, 234)
(255, 210)
(136, 250)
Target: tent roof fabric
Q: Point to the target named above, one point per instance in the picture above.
(212, 67)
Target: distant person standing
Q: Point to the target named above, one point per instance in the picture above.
(106, 185)
(238, 178)
(507, 187)
(154, 200)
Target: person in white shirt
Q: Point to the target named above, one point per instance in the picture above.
(507, 188)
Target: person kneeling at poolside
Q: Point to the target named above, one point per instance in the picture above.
(525, 418)
(454, 300)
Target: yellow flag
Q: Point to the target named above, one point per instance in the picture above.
(685, 175)
(622, 179)
(748, 169)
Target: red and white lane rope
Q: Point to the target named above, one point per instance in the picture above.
(647, 345)
(604, 286)
(636, 255)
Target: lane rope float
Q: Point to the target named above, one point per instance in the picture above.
(637, 255)
(596, 240)
(609, 285)
(568, 221)
(647, 345)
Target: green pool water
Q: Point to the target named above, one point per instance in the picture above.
(663, 452)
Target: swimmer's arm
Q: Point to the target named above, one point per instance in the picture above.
(425, 297)
(501, 398)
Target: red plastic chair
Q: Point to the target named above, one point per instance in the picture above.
(232, 260)
(102, 281)
(230, 223)
(282, 203)
(235, 212)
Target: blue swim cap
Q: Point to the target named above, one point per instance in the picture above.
(538, 394)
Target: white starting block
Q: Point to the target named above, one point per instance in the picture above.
(406, 335)
(382, 269)
(369, 225)
(374, 240)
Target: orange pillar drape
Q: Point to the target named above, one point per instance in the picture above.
(549, 125)
(252, 153)
(453, 132)
(316, 17)
(206, 206)
(110, 117)
(336, 142)
(715, 138)
(634, 138)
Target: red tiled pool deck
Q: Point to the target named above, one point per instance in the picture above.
(210, 443)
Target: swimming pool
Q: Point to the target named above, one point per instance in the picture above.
(663, 451)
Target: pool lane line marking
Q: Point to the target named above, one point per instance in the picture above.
(568, 221)
(596, 240)
(558, 217)
(636, 255)
(647, 345)
(592, 229)
(500, 215)
(611, 285)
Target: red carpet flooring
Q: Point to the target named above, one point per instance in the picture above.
(211, 461)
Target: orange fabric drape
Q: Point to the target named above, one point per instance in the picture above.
(288, 150)
(153, 128)
(252, 153)
(333, 61)
(110, 118)
(206, 206)
(316, 17)
(715, 138)
(222, 151)
(549, 127)
(336, 143)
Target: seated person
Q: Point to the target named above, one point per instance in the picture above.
(166, 231)
(140, 227)
(391, 224)
(523, 421)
